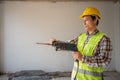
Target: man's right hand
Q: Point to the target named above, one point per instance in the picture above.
(52, 40)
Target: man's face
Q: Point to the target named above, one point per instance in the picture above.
(88, 23)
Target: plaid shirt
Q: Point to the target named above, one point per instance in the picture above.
(102, 53)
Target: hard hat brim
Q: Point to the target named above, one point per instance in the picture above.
(81, 16)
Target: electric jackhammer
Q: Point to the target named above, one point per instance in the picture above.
(60, 45)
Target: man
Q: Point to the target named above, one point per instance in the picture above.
(94, 49)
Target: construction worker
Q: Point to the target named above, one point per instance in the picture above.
(94, 48)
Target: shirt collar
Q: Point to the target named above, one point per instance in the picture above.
(93, 33)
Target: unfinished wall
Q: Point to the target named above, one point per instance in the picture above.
(117, 37)
(0, 34)
(25, 23)
(1, 37)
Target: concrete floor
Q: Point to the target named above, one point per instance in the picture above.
(111, 75)
(107, 76)
(63, 78)
(4, 77)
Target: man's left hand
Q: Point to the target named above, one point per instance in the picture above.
(77, 55)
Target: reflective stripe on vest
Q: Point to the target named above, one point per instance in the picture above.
(88, 72)
(83, 71)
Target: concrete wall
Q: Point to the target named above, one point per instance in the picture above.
(25, 23)
(117, 37)
(1, 37)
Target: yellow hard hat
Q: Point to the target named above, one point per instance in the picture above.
(91, 11)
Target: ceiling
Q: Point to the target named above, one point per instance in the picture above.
(54, 1)
(61, 0)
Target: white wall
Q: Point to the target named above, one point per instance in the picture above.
(0, 29)
(25, 23)
(1, 37)
(117, 37)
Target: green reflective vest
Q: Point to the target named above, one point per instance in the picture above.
(82, 71)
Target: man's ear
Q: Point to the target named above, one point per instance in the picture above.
(97, 20)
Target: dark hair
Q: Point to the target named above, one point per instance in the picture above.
(93, 18)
